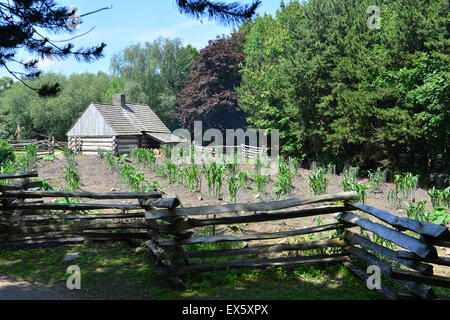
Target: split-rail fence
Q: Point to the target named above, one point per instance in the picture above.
(406, 255)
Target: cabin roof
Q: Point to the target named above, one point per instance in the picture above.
(131, 118)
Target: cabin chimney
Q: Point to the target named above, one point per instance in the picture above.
(119, 100)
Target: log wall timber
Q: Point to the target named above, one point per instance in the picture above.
(90, 145)
(125, 143)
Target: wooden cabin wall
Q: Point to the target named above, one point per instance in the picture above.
(127, 142)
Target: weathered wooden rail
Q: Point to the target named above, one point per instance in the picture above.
(173, 241)
(26, 220)
(171, 233)
(46, 146)
(247, 151)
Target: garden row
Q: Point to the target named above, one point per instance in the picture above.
(226, 173)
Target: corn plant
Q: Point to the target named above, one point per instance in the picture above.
(112, 161)
(439, 198)
(214, 178)
(171, 171)
(294, 164)
(27, 160)
(71, 175)
(330, 169)
(232, 167)
(361, 190)
(161, 171)
(416, 211)
(318, 182)
(182, 176)
(393, 197)
(166, 151)
(376, 178)
(101, 153)
(243, 177)
(349, 178)
(192, 153)
(194, 178)
(147, 157)
(258, 165)
(406, 183)
(233, 187)
(261, 182)
(134, 179)
(283, 184)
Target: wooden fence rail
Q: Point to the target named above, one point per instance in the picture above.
(247, 151)
(171, 233)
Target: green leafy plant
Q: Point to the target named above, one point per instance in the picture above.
(294, 164)
(243, 177)
(258, 165)
(147, 157)
(330, 169)
(360, 189)
(171, 171)
(439, 198)
(166, 151)
(71, 174)
(283, 184)
(261, 182)
(194, 178)
(349, 178)
(376, 178)
(28, 160)
(6, 152)
(406, 183)
(318, 182)
(233, 187)
(214, 178)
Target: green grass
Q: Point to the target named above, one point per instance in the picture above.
(113, 271)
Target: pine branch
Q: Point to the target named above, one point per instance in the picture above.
(228, 14)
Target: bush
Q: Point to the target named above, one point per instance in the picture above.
(6, 152)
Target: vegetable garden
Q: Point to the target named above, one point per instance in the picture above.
(249, 181)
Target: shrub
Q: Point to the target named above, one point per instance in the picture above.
(6, 152)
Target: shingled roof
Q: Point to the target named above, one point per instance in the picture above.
(131, 119)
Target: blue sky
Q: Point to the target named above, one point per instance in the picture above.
(134, 21)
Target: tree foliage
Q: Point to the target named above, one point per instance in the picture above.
(153, 74)
(51, 116)
(335, 87)
(24, 24)
(208, 94)
(225, 13)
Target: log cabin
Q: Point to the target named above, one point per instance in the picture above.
(118, 127)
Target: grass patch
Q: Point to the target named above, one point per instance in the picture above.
(113, 271)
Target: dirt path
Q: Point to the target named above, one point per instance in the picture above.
(11, 289)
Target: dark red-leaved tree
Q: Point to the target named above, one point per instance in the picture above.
(208, 94)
